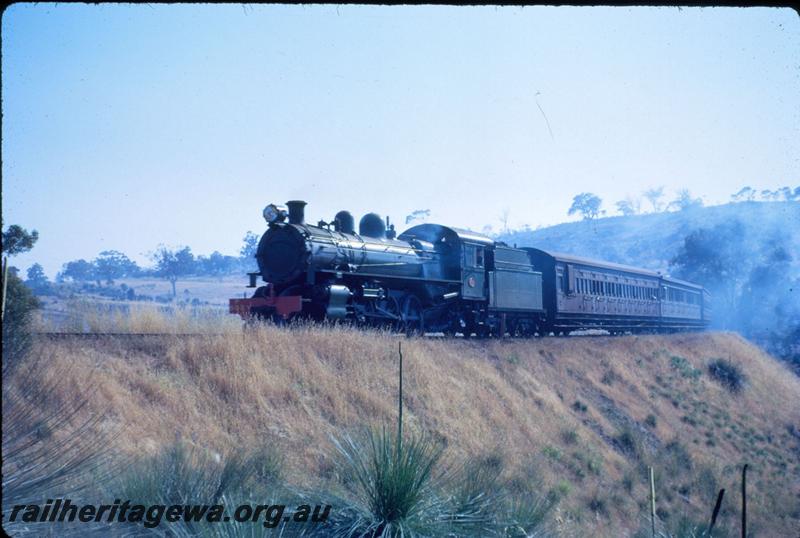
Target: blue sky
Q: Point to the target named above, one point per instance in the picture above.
(126, 126)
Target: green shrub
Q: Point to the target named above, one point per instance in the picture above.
(19, 307)
(186, 474)
(629, 442)
(579, 406)
(727, 374)
(552, 452)
(608, 377)
(527, 514)
(476, 501)
(597, 504)
(684, 367)
(569, 437)
(49, 450)
(392, 486)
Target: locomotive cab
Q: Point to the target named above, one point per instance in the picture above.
(473, 274)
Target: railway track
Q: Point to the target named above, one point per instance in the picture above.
(98, 336)
(57, 335)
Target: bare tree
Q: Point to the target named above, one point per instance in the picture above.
(629, 206)
(684, 201)
(504, 219)
(654, 196)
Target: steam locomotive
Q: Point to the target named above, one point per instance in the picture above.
(434, 278)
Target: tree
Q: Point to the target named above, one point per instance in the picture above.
(786, 193)
(36, 277)
(629, 206)
(685, 201)
(250, 246)
(712, 257)
(654, 196)
(504, 215)
(78, 271)
(17, 240)
(418, 214)
(111, 265)
(216, 264)
(587, 204)
(768, 195)
(173, 264)
(744, 194)
(18, 301)
(765, 289)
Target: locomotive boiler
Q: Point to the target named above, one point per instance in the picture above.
(329, 270)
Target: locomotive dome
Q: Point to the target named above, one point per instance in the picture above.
(345, 222)
(372, 225)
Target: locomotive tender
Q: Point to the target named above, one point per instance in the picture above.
(435, 278)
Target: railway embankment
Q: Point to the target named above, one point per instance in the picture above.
(582, 417)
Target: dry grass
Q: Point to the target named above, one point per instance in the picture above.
(554, 408)
(80, 315)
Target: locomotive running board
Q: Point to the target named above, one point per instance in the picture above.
(284, 306)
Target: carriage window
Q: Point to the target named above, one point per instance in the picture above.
(478, 257)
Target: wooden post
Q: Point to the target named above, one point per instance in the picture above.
(5, 286)
(744, 501)
(652, 503)
(400, 402)
(716, 511)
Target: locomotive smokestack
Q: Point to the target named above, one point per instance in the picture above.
(296, 211)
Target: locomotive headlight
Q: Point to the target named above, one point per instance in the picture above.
(275, 213)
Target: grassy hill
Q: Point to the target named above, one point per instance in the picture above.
(577, 419)
(652, 240)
